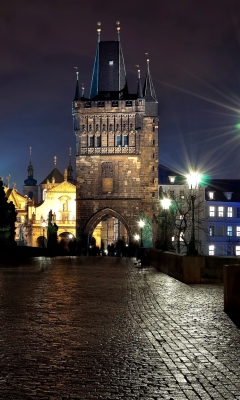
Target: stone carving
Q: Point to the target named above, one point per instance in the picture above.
(107, 169)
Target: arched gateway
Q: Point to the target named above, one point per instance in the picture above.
(116, 148)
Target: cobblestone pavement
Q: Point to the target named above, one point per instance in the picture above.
(100, 328)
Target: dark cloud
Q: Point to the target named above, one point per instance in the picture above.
(194, 50)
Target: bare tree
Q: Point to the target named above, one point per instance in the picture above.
(180, 217)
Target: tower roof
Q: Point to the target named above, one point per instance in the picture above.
(148, 90)
(109, 74)
(56, 174)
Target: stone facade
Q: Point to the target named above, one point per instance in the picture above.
(116, 160)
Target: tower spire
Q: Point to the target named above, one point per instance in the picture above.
(77, 93)
(139, 85)
(118, 29)
(99, 30)
(148, 90)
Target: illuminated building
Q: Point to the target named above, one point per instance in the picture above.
(117, 150)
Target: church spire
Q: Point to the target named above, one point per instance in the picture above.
(77, 93)
(30, 167)
(70, 168)
(148, 90)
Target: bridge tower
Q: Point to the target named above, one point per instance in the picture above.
(116, 147)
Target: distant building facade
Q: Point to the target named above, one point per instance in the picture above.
(223, 217)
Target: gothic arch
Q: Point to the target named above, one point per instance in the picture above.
(98, 217)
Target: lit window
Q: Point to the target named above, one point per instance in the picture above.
(211, 211)
(211, 195)
(119, 141)
(229, 231)
(238, 230)
(172, 178)
(110, 62)
(125, 141)
(220, 211)
(237, 250)
(211, 230)
(211, 250)
(229, 211)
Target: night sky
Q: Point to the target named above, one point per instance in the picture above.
(194, 51)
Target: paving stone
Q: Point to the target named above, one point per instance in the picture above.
(100, 328)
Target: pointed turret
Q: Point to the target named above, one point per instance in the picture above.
(139, 86)
(151, 103)
(109, 75)
(148, 90)
(77, 93)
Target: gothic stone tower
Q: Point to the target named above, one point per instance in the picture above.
(116, 146)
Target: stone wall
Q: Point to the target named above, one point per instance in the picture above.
(188, 269)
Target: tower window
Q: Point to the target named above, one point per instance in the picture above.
(119, 141)
(153, 128)
(125, 141)
(98, 141)
(110, 62)
(91, 141)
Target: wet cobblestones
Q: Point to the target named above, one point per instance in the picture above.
(100, 328)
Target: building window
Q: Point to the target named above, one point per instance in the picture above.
(229, 231)
(153, 194)
(211, 230)
(221, 251)
(238, 212)
(98, 141)
(211, 250)
(91, 141)
(119, 141)
(153, 155)
(153, 168)
(153, 128)
(220, 211)
(125, 141)
(237, 250)
(221, 230)
(153, 142)
(211, 195)
(230, 212)
(171, 194)
(211, 211)
(237, 230)
(110, 62)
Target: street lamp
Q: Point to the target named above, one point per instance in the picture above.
(43, 226)
(193, 179)
(136, 237)
(165, 203)
(141, 223)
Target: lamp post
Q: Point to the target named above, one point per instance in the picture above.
(165, 203)
(43, 227)
(193, 179)
(141, 223)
